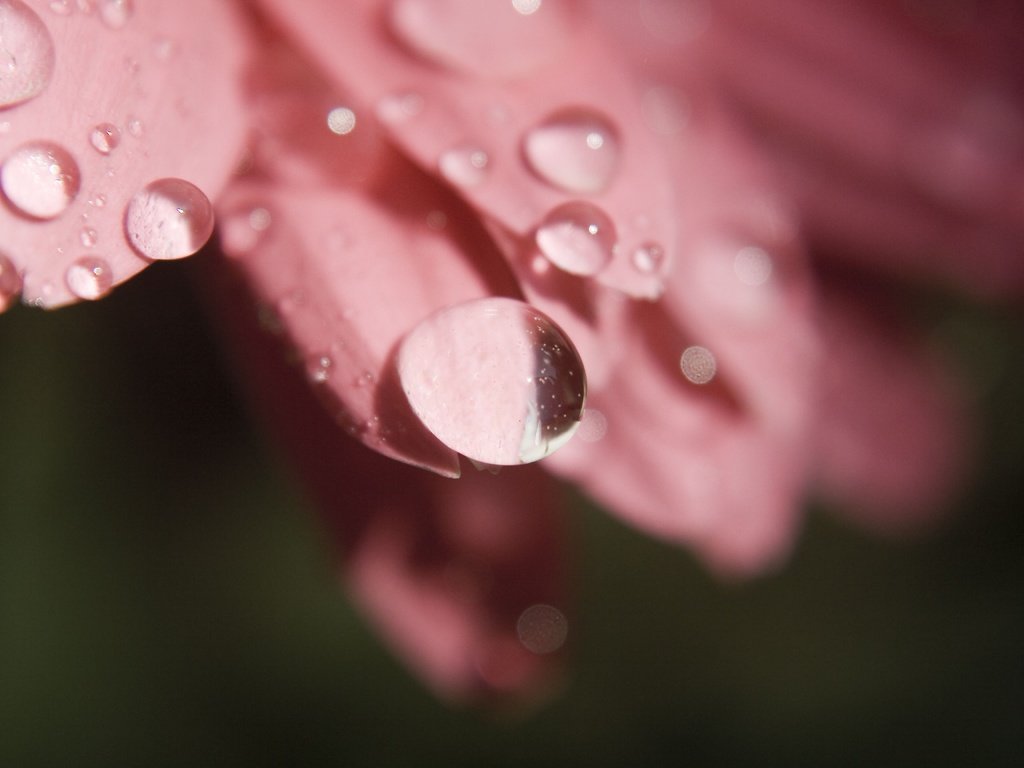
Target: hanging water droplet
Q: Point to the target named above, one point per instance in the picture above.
(698, 365)
(115, 13)
(542, 629)
(464, 166)
(26, 53)
(753, 265)
(10, 282)
(89, 278)
(577, 237)
(494, 379)
(649, 257)
(399, 108)
(40, 179)
(88, 237)
(169, 219)
(105, 137)
(575, 150)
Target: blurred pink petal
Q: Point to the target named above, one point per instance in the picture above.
(119, 106)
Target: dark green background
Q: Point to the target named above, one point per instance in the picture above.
(165, 600)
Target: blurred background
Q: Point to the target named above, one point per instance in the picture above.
(165, 598)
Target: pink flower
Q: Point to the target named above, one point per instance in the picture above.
(445, 210)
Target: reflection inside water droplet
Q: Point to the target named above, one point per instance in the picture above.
(465, 166)
(542, 629)
(105, 137)
(89, 278)
(26, 53)
(341, 121)
(574, 150)
(698, 365)
(495, 380)
(169, 219)
(577, 237)
(40, 180)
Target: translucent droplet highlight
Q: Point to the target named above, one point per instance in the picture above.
(495, 380)
(40, 180)
(542, 629)
(169, 219)
(574, 150)
(577, 237)
(115, 14)
(105, 138)
(26, 53)
(10, 282)
(89, 278)
(465, 166)
(698, 365)
(649, 258)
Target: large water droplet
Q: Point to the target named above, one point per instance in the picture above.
(105, 137)
(115, 13)
(10, 282)
(465, 166)
(40, 179)
(26, 53)
(698, 365)
(575, 150)
(495, 380)
(577, 237)
(89, 277)
(542, 629)
(169, 219)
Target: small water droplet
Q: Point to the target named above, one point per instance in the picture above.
(242, 230)
(105, 137)
(649, 257)
(62, 7)
(494, 379)
(399, 108)
(577, 237)
(698, 365)
(753, 265)
(88, 237)
(364, 379)
(98, 200)
(86, 6)
(169, 219)
(89, 277)
(542, 629)
(464, 166)
(26, 53)
(40, 179)
(164, 49)
(10, 282)
(318, 368)
(115, 14)
(526, 7)
(135, 127)
(575, 150)
(341, 121)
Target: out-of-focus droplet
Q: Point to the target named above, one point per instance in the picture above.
(10, 282)
(318, 368)
(665, 110)
(542, 629)
(242, 230)
(753, 265)
(115, 14)
(575, 150)
(136, 127)
(648, 258)
(88, 237)
(465, 166)
(698, 365)
(26, 53)
(484, 38)
(89, 278)
(577, 237)
(40, 179)
(105, 137)
(169, 219)
(494, 379)
(341, 121)
(593, 426)
(399, 107)
(62, 7)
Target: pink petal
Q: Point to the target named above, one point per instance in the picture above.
(471, 125)
(892, 436)
(128, 102)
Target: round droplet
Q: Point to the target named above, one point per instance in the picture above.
(577, 237)
(698, 365)
(115, 13)
(62, 7)
(169, 219)
(753, 265)
(593, 426)
(105, 137)
(495, 380)
(40, 180)
(243, 229)
(464, 166)
(135, 127)
(88, 237)
(26, 53)
(318, 368)
(574, 150)
(649, 257)
(399, 108)
(89, 278)
(542, 629)
(341, 121)
(10, 282)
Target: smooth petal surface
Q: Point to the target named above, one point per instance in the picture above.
(470, 125)
(138, 92)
